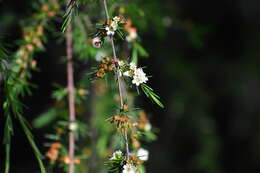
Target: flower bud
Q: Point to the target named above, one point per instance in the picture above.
(73, 126)
(97, 42)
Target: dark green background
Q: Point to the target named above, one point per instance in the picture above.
(210, 86)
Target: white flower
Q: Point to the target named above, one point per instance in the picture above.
(132, 66)
(137, 81)
(110, 31)
(129, 168)
(116, 155)
(73, 126)
(114, 25)
(96, 42)
(121, 63)
(142, 154)
(139, 77)
(116, 19)
(139, 72)
(128, 73)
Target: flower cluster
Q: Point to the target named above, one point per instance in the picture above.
(119, 162)
(57, 152)
(107, 64)
(117, 155)
(136, 74)
(111, 27)
(33, 40)
(121, 121)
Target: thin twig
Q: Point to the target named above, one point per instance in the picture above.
(70, 83)
(118, 80)
(106, 10)
(126, 144)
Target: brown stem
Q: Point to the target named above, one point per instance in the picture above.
(120, 87)
(71, 97)
(106, 10)
(126, 144)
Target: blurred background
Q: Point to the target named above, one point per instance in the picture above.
(204, 58)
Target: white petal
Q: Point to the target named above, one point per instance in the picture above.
(143, 154)
(132, 66)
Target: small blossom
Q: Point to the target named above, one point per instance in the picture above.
(116, 19)
(114, 25)
(73, 126)
(142, 154)
(116, 155)
(53, 151)
(139, 77)
(139, 72)
(121, 63)
(128, 73)
(129, 168)
(110, 31)
(52, 154)
(96, 42)
(132, 66)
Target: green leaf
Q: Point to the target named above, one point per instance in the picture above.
(31, 141)
(120, 34)
(148, 91)
(71, 11)
(134, 56)
(45, 118)
(141, 50)
(8, 132)
(141, 169)
(59, 94)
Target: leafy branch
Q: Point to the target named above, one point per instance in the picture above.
(13, 108)
(71, 11)
(16, 76)
(148, 91)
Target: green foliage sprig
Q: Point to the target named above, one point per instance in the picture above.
(71, 11)
(16, 84)
(148, 91)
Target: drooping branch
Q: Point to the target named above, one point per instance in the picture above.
(71, 97)
(120, 86)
